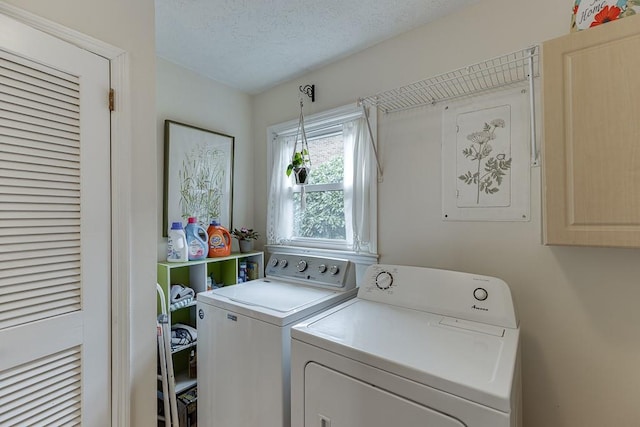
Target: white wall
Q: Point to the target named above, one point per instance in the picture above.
(577, 306)
(186, 97)
(129, 25)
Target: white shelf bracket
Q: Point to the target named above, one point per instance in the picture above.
(532, 108)
(371, 140)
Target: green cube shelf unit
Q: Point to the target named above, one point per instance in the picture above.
(225, 270)
(194, 274)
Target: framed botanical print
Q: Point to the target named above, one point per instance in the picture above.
(485, 158)
(198, 175)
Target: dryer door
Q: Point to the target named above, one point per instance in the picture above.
(332, 399)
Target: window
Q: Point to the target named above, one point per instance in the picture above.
(336, 209)
(321, 214)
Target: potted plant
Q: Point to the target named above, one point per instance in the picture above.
(245, 237)
(300, 165)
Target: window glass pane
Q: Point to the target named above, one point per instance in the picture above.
(327, 160)
(323, 217)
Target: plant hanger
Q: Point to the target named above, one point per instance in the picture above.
(300, 159)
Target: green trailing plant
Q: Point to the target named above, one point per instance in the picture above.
(298, 160)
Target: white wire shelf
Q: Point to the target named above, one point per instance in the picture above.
(502, 71)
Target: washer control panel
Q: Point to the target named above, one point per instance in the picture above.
(450, 293)
(315, 270)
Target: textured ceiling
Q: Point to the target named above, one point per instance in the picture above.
(253, 45)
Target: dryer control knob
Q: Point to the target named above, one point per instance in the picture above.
(480, 294)
(334, 269)
(322, 268)
(273, 262)
(384, 280)
(302, 265)
(283, 263)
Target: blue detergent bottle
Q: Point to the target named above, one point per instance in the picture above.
(196, 243)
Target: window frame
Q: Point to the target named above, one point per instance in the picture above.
(316, 124)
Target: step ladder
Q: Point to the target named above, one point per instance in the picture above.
(166, 376)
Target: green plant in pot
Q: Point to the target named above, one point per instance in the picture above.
(245, 237)
(300, 166)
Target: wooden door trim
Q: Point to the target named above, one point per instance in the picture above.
(121, 184)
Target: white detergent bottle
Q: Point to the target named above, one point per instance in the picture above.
(177, 244)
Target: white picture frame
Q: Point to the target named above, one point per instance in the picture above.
(485, 158)
(198, 175)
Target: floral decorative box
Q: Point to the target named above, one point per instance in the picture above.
(589, 13)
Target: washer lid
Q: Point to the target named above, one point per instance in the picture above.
(276, 302)
(277, 296)
(474, 363)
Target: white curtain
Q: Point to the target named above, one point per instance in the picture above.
(280, 197)
(360, 178)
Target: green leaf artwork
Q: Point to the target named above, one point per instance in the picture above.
(202, 178)
(490, 171)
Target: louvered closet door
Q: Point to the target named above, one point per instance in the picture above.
(54, 232)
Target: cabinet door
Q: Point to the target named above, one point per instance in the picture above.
(592, 136)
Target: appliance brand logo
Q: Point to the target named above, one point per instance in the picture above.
(475, 307)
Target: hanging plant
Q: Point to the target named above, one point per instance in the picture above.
(300, 160)
(300, 163)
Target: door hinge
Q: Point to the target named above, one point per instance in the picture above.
(112, 100)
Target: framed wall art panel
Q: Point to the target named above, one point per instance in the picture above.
(485, 158)
(198, 175)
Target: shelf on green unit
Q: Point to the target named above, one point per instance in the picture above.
(183, 382)
(191, 304)
(234, 255)
(183, 347)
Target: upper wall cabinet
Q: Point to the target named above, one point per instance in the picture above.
(591, 150)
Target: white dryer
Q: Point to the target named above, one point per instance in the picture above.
(417, 347)
(244, 338)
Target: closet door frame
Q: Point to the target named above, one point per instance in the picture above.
(121, 184)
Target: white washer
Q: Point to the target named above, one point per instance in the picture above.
(417, 347)
(244, 338)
